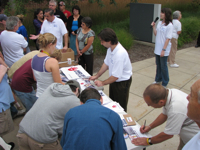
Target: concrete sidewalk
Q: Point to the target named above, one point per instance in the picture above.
(143, 74)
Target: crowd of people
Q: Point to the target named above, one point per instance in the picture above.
(61, 115)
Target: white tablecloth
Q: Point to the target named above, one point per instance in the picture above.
(79, 74)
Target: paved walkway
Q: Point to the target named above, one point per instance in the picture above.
(143, 74)
(180, 78)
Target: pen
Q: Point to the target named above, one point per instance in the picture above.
(144, 124)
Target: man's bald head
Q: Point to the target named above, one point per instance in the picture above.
(155, 92)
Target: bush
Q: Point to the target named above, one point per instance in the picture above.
(190, 28)
(190, 21)
(28, 23)
(117, 18)
(106, 17)
(195, 5)
(122, 31)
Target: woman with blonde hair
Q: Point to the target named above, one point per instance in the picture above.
(45, 68)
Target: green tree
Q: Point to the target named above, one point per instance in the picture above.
(19, 5)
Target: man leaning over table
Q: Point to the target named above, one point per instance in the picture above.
(43, 123)
(92, 126)
(194, 114)
(118, 63)
(174, 104)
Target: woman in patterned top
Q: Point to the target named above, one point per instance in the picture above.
(84, 39)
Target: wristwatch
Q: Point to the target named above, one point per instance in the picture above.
(149, 141)
(164, 49)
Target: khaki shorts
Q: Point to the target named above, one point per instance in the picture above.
(27, 143)
(6, 122)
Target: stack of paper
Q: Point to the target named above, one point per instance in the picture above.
(75, 72)
(106, 99)
(115, 107)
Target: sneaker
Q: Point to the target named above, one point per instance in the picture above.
(18, 106)
(20, 113)
(174, 65)
(197, 46)
(156, 82)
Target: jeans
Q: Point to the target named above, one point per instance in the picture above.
(27, 50)
(27, 99)
(162, 74)
(13, 110)
(73, 43)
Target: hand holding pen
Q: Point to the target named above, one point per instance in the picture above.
(144, 128)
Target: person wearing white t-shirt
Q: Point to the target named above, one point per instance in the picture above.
(163, 33)
(118, 63)
(12, 43)
(194, 114)
(55, 26)
(176, 31)
(174, 105)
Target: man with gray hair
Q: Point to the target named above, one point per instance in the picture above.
(194, 114)
(176, 31)
(57, 13)
(12, 43)
(54, 26)
(174, 104)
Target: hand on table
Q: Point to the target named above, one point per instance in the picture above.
(93, 77)
(99, 83)
(140, 141)
(144, 130)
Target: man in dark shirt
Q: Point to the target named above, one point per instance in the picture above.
(57, 13)
(92, 126)
(22, 82)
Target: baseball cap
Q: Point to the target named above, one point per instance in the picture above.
(74, 83)
(62, 3)
(3, 17)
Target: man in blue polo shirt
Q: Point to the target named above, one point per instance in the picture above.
(92, 126)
